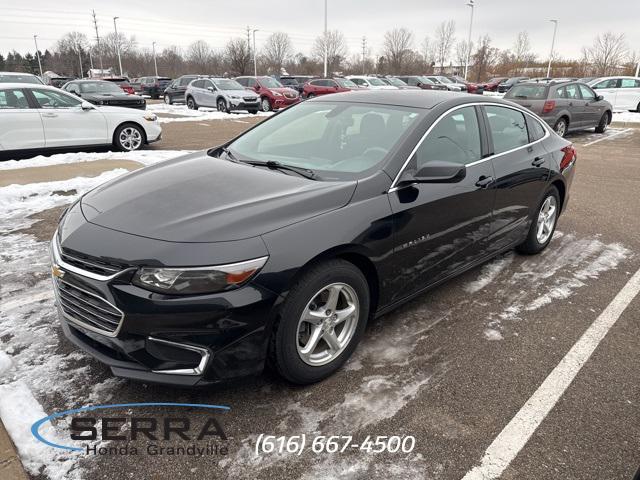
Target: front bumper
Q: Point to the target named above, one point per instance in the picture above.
(283, 102)
(242, 105)
(179, 340)
(153, 131)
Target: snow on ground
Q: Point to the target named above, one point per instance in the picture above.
(626, 117)
(145, 157)
(37, 374)
(202, 113)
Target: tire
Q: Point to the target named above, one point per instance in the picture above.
(310, 95)
(265, 104)
(129, 137)
(221, 105)
(253, 112)
(603, 123)
(561, 127)
(291, 333)
(167, 99)
(191, 103)
(535, 242)
(638, 108)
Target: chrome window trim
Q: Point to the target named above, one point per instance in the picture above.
(394, 186)
(204, 358)
(57, 260)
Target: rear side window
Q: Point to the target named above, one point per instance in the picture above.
(629, 83)
(536, 130)
(508, 128)
(572, 92)
(529, 92)
(455, 138)
(13, 100)
(611, 83)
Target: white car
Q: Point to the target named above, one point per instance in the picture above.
(374, 83)
(43, 117)
(621, 92)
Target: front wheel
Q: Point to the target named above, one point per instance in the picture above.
(167, 99)
(321, 322)
(191, 104)
(265, 104)
(129, 137)
(222, 106)
(603, 124)
(543, 225)
(561, 127)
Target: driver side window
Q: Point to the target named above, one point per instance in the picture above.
(455, 138)
(51, 99)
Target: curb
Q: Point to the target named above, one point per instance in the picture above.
(625, 124)
(10, 466)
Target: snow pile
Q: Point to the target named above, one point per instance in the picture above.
(626, 117)
(203, 113)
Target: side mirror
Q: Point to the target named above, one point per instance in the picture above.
(599, 97)
(86, 106)
(211, 89)
(436, 172)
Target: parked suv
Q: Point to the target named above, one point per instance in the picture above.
(273, 95)
(564, 106)
(504, 86)
(374, 83)
(223, 93)
(622, 92)
(323, 86)
(491, 85)
(176, 89)
(421, 82)
(152, 86)
(448, 84)
(396, 82)
(295, 81)
(471, 87)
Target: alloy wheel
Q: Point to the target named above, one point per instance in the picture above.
(167, 99)
(266, 106)
(130, 138)
(327, 324)
(546, 219)
(561, 128)
(222, 106)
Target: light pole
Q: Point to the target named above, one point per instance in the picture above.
(466, 65)
(638, 69)
(255, 55)
(155, 62)
(553, 44)
(115, 27)
(78, 46)
(38, 54)
(326, 47)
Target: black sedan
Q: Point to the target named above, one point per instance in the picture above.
(284, 242)
(100, 92)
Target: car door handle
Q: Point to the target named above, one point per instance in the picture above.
(49, 115)
(537, 162)
(484, 182)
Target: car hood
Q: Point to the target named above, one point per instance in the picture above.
(198, 198)
(110, 109)
(240, 93)
(284, 90)
(111, 96)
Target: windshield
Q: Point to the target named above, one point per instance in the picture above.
(328, 137)
(396, 81)
(444, 79)
(26, 78)
(269, 82)
(376, 82)
(344, 83)
(228, 85)
(99, 87)
(426, 81)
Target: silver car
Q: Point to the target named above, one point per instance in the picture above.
(222, 93)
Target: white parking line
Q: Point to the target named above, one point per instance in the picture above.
(607, 137)
(516, 434)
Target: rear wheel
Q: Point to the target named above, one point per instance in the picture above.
(561, 126)
(321, 322)
(604, 123)
(129, 137)
(543, 225)
(167, 99)
(265, 104)
(191, 104)
(638, 108)
(310, 95)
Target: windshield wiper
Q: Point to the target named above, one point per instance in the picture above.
(303, 172)
(229, 154)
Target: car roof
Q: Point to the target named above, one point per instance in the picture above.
(27, 85)
(17, 73)
(425, 99)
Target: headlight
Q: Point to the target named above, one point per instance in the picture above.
(189, 281)
(235, 96)
(276, 94)
(151, 117)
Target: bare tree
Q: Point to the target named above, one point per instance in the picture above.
(199, 55)
(397, 47)
(484, 58)
(429, 54)
(445, 37)
(238, 56)
(607, 52)
(522, 55)
(336, 49)
(463, 49)
(277, 50)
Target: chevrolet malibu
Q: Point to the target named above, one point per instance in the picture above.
(278, 246)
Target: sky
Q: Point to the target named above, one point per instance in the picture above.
(180, 22)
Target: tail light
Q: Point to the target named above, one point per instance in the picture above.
(569, 157)
(549, 105)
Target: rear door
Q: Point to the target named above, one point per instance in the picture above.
(594, 109)
(207, 97)
(441, 227)
(521, 166)
(20, 124)
(628, 97)
(66, 123)
(576, 106)
(609, 90)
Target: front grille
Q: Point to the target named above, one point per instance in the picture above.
(89, 263)
(250, 99)
(88, 309)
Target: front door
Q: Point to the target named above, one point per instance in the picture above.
(441, 227)
(609, 90)
(20, 125)
(66, 123)
(594, 109)
(576, 105)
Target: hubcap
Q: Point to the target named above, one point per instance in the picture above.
(130, 138)
(221, 106)
(546, 219)
(327, 324)
(561, 128)
(265, 105)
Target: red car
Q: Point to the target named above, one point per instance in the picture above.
(123, 83)
(492, 85)
(323, 86)
(471, 87)
(273, 95)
